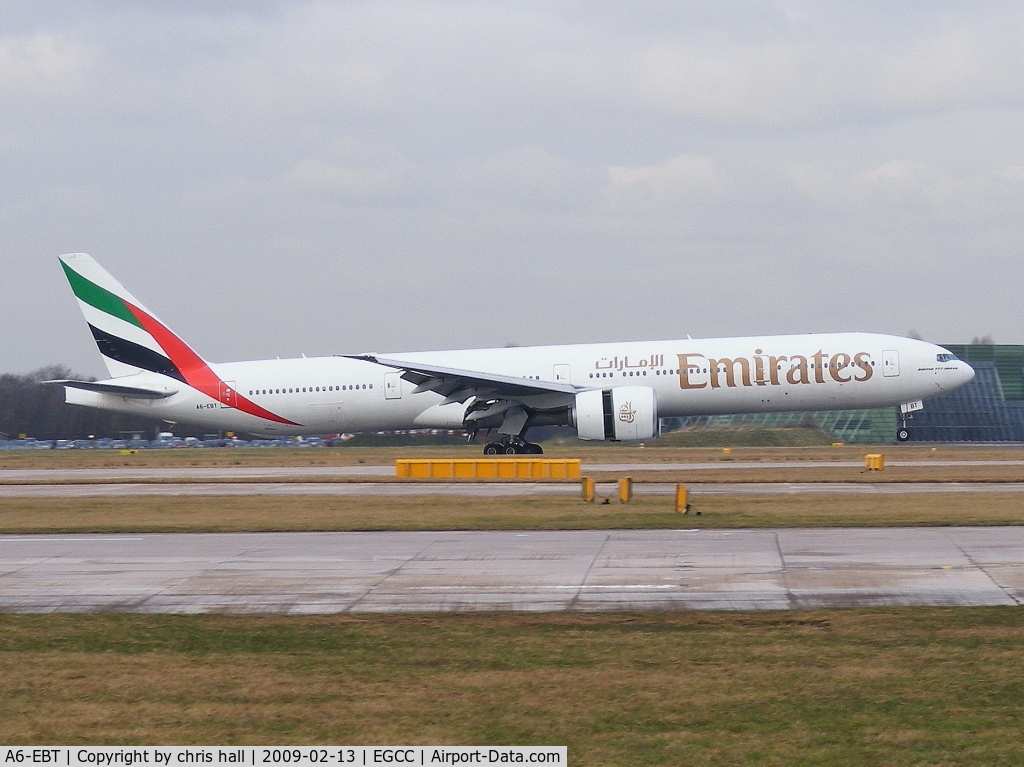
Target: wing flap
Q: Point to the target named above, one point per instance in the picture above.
(436, 378)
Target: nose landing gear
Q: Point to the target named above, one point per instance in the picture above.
(907, 411)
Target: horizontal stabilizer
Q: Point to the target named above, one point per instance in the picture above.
(136, 392)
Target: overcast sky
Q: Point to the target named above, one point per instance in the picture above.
(273, 179)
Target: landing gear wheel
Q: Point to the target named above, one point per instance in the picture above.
(512, 449)
(533, 449)
(902, 435)
(494, 448)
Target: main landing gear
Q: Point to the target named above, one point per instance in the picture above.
(512, 446)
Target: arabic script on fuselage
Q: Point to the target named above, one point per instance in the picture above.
(698, 371)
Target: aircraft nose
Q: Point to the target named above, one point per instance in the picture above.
(966, 373)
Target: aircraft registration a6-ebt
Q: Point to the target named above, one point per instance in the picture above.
(610, 391)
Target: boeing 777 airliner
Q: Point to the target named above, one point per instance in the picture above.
(611, 391)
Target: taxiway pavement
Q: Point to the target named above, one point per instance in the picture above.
(327, 472)
(310, 573)
(491, 489)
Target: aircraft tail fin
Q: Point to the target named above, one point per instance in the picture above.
(130, 337)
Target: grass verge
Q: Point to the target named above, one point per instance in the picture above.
(657, 451)
(304, 513)
(898, 686)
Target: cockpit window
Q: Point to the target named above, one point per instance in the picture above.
(945, 357)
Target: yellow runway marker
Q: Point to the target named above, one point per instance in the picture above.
(488, 468)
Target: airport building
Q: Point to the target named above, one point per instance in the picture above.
(988, 409)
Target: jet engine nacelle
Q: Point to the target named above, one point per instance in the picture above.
(622, 413)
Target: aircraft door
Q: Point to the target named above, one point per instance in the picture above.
(228, 396)
(890, 363)
(392, 386)
(561, 373)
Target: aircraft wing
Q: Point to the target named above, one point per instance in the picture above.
(459, 385)
(103, 387)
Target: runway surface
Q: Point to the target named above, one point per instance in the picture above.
(327, 472)
(308, 573)
(492, 489)
(725, 465)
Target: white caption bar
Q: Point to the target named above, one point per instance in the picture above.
(276, 756)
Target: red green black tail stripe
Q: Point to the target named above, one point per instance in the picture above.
(196, 372)
(180, 361)
(136, 355)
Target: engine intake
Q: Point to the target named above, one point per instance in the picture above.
(624, 413)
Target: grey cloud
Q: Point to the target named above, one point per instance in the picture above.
(279, 178)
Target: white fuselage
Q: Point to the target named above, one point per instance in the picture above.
(691, 377)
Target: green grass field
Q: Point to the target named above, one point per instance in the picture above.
(665, 450)
(263, 513)
(926, 461)
(848, 687)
